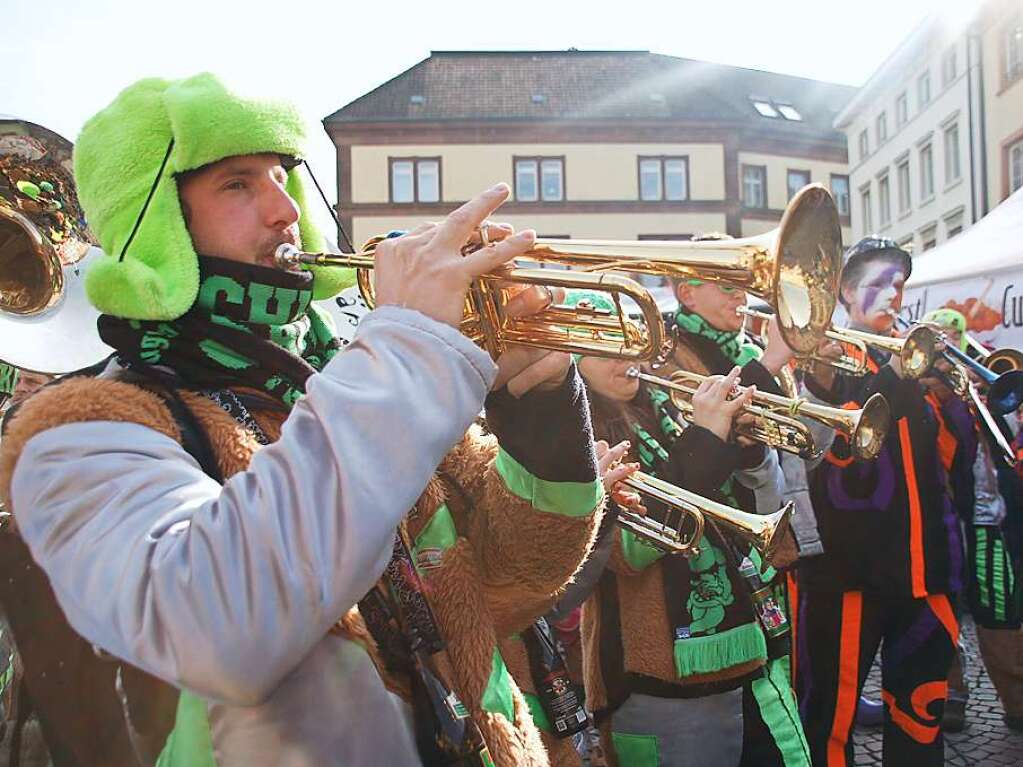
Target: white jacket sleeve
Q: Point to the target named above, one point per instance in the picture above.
(224, 590)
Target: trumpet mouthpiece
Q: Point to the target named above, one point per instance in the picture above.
(632, 372)
(287, 256)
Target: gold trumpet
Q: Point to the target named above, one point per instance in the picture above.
(917, 351)
(776, 419)
(853, 364)
(795, 268)
(581, 329)
(762, 531)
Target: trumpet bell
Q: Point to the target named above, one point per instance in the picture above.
(872, 428)
(919, 351)
(767, 532)
(806, 268)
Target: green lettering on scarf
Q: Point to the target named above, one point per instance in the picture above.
(286, 302)
(216, 285)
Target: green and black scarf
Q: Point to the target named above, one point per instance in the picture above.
(711, 622)
(251, 325)
(733, 344)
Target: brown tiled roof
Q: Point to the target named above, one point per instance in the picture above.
(590, 86)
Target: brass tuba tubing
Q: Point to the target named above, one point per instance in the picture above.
(776, 418)
(580, 329)
(762, 531)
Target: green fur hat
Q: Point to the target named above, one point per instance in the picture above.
(117, 160)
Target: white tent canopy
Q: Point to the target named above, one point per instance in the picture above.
(993, 244)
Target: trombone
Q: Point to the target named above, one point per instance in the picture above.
(776, 419)
(1005, 390)
(795, 268)
(999, 360)
(762, 531)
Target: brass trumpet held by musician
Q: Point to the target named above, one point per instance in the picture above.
(795, 268)
(776, 419)
(687, 513)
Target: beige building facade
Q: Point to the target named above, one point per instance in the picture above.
(935, 136)
(608, 145)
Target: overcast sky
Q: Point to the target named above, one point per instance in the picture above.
(65, 59)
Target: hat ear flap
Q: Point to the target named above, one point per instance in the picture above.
(158, 278)
(328, 280)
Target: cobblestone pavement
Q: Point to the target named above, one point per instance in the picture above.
(986, 740)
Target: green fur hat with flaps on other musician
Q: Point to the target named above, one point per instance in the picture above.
(951, 319)
(152, 131)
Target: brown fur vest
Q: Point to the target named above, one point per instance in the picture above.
(508, 565)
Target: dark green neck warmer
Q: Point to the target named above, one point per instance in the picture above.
(733, 344)
(250, 326)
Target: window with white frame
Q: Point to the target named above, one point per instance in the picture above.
(754, 186)
(664, 178)
(864, 145)
(884, 200)
(948, 68)
(905, 196)
(901, 110)
(840, 191)
(1016, 166)
(539, 178)
(926, 172)
(923, 89)
(796, 180)
(953, 168)
(1014, 50)
(866, 210)
(415, 179)
(882, 128)
(428, 180)
(552, 179)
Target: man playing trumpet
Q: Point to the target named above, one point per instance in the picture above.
(212, 507)
(891, 544)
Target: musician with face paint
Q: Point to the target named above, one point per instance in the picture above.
(892, 547)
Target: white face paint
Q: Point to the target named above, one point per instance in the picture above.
(876, 299)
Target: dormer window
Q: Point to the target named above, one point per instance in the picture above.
(789, 112)
(765, 108)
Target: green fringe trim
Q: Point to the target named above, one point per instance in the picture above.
(706, 654)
